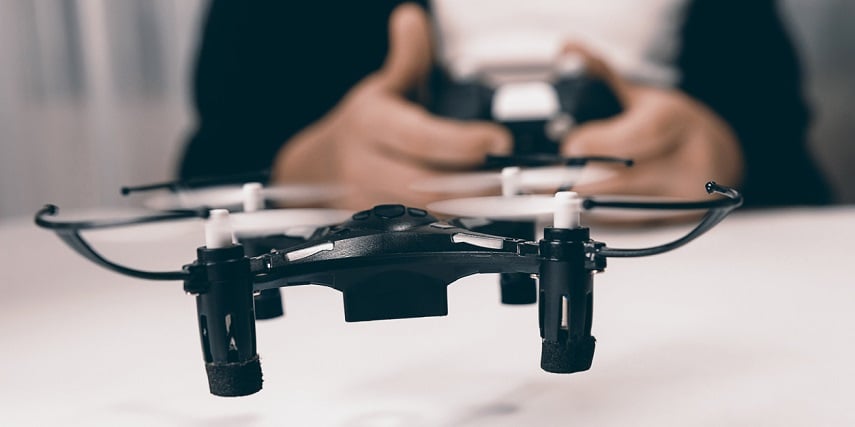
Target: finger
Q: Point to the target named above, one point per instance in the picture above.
(420, 137)
(648, 130)
(596, 66)
(640, 132)
(409, 57)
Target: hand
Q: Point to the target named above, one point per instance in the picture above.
(678, 144)
(377, 142)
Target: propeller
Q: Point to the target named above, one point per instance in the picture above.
(292, 222)
(511, 205)
(514, 206)
(543, 172)
(533, 179)
(534, 206)
(253, 221)
(232, 196)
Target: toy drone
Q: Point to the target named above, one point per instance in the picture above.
(389, 262)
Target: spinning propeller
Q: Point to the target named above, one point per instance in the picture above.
(251, 219)
(542, 172)
(251, 198)
(229, 193)
(515, 204)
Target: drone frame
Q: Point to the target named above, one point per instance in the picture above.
(369, 266)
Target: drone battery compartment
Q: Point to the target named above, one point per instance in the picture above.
(394, 294)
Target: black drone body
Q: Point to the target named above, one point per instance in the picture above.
(392, 262)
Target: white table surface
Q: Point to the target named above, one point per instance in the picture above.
(751, 325)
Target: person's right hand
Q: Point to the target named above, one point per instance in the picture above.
(378, 143)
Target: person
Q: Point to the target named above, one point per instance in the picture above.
(324, 93)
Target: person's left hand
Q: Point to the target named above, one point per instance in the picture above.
(677, 143)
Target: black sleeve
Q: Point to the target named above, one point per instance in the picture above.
(265, 70)
(737, 58)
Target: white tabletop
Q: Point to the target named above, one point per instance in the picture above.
(753, 324)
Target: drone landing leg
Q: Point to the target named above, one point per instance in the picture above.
(518, 288)
(268, 304)
(566, 302)
(227, 322)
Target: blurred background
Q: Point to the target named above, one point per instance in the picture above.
(95, 94)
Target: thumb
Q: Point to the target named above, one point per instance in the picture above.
(597, 67)
(410, 53)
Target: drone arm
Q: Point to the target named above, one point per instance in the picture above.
(69, 232)
(709, 220)
(566, 301)
(718, 210)
(76, 242)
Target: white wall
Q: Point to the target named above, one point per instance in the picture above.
(825, 38)
(94, 94)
